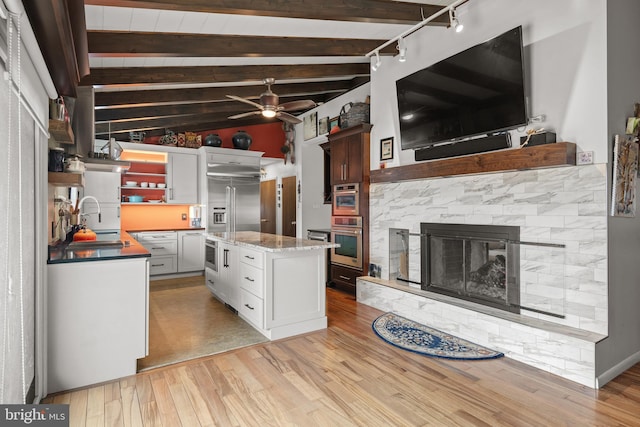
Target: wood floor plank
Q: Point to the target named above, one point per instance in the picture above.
(95, 406)
(346, 376)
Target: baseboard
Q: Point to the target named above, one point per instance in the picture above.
(617, 369)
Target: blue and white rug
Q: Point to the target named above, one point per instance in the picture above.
(413, 336)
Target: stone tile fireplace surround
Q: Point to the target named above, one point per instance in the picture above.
(564, 205)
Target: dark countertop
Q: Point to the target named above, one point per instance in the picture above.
(62, 254)
(168, 229)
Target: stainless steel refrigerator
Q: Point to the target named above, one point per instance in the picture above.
(233, 197)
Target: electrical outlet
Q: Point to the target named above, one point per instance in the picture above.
(585, 158)
(184, 216)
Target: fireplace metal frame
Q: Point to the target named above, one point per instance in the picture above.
(488, 233)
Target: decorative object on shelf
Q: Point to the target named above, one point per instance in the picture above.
(169, 139)
(418, 338)
(311, 126)
(323, 126)
(356, 113)
(192, 140)
(625, 170)
(241, 140)
(56, 159)
(333, 124)
(136, 137)
(213, 140)
(182, 140)
(386, 148)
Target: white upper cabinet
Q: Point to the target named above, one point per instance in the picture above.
(182, 178)
(104, 186)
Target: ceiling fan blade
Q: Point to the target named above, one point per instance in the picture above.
(246, 101)
(286, 117)
(297, 105)
(241, 115)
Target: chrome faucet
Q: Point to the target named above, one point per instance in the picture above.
(86, 214)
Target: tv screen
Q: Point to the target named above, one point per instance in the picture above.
(477, 91)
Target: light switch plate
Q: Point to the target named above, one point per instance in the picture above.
(585, 158)
(184, 216)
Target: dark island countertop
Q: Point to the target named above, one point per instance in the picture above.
(66, 253)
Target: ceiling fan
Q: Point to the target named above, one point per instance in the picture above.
(269, 106)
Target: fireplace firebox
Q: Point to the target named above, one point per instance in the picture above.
(479, 263)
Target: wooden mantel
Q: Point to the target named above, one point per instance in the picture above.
(539, 156)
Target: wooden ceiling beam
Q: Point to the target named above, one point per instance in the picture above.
(143, 97)
(379, 11)
(226, 107)
(172, 122)
(148, 44)
(219, 74)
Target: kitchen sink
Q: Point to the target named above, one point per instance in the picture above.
(94, 244)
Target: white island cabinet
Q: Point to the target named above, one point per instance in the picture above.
(97, 320)
(280, 281)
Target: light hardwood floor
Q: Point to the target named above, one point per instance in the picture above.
(346, 376)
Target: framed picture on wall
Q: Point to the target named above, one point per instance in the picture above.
(333, 122)
(386, 148)
(323, 126)
(311, 126)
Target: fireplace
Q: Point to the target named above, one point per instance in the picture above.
(479, 263)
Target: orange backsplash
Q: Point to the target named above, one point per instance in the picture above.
(161, 216)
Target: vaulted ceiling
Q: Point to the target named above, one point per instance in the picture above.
(170, 64)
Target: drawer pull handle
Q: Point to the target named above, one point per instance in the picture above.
(211, 281)
(157, 265)
(160, 247)
(249, 279)
(345, 277)
(249, 257)
(249, 307)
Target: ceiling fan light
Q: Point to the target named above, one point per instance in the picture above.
(268, 113)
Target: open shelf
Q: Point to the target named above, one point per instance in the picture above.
(66, 179)
(124, 187)
(539, 156)
(145, 174)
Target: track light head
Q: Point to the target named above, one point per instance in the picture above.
(453, 21)
(377, 62)
(402, 48)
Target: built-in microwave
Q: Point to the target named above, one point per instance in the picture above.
(347, 231)
(346, 199)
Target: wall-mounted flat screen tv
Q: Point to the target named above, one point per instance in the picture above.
(477, 91)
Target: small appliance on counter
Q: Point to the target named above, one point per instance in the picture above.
(195, 215)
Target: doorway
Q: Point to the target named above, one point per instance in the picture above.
(289, 206)
(268, 206)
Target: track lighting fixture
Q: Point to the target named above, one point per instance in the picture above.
(377, 63)
(402, 48)
(453, 20)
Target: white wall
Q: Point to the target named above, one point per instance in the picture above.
(312, 212)
(565, 66)
(623, 344)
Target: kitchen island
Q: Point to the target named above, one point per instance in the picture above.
(276, 283)
(97, 311)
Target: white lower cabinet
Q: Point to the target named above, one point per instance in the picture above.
(190, 251)
(251, 308)
(228, 274)
(212, 281)
(97, 321)
(163, 246)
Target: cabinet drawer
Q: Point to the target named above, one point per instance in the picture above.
(344, 275)
(251, 308)
(161, 247)
(251, 279)
(156, 235)
(251, 257)
(163, 265)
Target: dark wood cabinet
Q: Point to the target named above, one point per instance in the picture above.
(350, 155)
